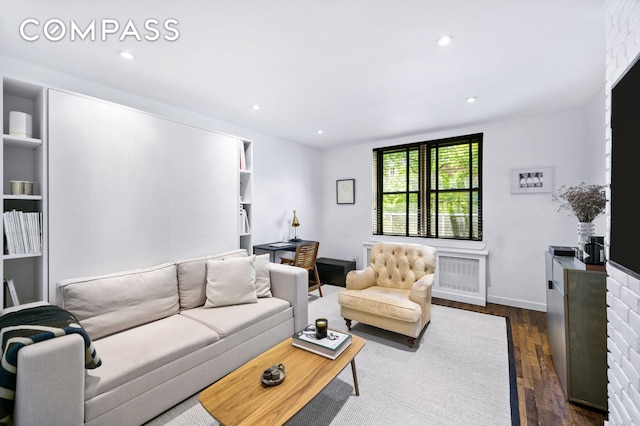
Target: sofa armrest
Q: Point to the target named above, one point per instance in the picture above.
(421, 294)
(291, 283)
(50, 382)
(359, 280)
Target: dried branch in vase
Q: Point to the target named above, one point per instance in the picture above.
(585, 202)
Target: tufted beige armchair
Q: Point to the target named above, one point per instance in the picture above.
(394, 291)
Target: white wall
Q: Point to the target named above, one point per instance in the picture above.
(285, 173)
(623, 291)
(518, 227)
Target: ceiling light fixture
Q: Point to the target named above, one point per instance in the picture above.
(255, 107)
(320, 132)
(471, 99)
(126, 55)
(445, 40)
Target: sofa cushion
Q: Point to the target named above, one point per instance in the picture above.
(231, 282)
(263, 276)
(111, 303)
(140, 350)
(227, 320)
(387, 302)
(192, 278)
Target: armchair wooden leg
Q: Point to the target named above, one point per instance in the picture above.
(348, 321)
(411, 341)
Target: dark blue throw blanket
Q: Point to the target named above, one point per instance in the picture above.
(28, 326)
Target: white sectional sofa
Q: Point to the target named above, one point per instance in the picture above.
(161, 337)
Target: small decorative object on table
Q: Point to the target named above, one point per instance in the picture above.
(274, 375)
(585, 203)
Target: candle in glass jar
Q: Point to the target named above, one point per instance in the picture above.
(321, 328)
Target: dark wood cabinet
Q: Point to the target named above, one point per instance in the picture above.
(577, 329)
(334, 271)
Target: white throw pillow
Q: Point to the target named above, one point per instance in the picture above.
(263, 278)
(231, 282)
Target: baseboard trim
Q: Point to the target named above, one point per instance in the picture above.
(457, 297)
(516, 303)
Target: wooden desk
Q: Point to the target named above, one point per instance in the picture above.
(240, 399)
(272, 248)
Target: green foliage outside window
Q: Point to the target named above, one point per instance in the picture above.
(430, 189)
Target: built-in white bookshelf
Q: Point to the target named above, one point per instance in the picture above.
(24, 159)
(245, 179)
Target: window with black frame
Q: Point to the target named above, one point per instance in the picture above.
(429, 189)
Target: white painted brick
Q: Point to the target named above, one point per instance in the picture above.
(634, 320)
(613, 318)
(629, 298)
(614, 352)
(615, 384)
(619, 376)
(630, 372)
(618, 275)
(634, 285)
(621, 412)
(614, 418)
(634, 396)
(630, 336)
(634, 358)
(619, 308)
(622, 344)
(618, 347)
(613, 287)
(632, 410)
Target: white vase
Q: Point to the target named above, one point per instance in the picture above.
(585, 230)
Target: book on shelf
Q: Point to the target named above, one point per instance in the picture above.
(242, 155)
(10, 288)
(329, 347)
(243, 224)
(23, 232)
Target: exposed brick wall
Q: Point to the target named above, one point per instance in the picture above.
(623, 291)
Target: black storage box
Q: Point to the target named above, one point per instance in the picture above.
(562, 251)
(334, 271)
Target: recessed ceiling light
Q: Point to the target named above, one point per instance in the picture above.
(255, 107)
(445, 40)
(471, 99)
(126, 55)
(320, 132)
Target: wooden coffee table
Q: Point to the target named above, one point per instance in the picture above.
(240, 399)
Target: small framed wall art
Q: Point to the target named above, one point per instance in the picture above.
(534, 180)
(345, 191)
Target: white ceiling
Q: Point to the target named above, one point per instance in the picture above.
(360, 70)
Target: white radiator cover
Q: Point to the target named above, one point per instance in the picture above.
(461, 274)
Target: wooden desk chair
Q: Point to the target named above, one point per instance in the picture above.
(305, 258)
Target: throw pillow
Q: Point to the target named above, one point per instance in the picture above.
(231, 282)
(263, 278)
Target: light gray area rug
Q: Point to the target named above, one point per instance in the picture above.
(458, 374)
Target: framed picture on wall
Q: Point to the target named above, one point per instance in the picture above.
(533, 180)
(345, 191)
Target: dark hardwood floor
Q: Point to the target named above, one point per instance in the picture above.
(541, 400)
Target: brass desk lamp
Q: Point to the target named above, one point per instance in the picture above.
(295, 223)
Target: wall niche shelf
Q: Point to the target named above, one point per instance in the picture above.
(21, 142)
(245, 188)
(25, 158)
(22, 197)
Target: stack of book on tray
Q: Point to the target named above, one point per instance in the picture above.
(330, 347)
